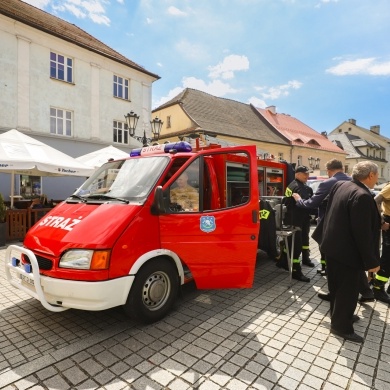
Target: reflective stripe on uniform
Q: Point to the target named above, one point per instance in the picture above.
(305, 247)
(383, 279)
(297, 261)
(288, 192)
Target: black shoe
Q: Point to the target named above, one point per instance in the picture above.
(355, 318)
(388, 289)
(324, 296)
(282, 264)
(308, 263)
(363, 299)
(348, 336)
(300, 276)
(381, 295)
(322, 272)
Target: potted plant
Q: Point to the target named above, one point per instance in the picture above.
(3, 225)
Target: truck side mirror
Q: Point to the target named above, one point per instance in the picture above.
(158, 207)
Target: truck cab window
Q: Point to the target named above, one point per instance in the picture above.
(184, 192)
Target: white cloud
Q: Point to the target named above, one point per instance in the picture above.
(38, 3)
(283, 90)
(176, 12)
(258, 103)
(228, 66)
(365, 66)
(92, 9)
(171, 94)
(215, 88)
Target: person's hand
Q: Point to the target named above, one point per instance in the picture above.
(385, 226)
(375, 270)
(296, 196)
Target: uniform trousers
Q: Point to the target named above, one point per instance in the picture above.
(344, 283)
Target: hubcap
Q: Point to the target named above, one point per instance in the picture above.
(156, 290)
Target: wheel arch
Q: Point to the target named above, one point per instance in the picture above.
(163, 253)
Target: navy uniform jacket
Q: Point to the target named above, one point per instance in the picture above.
(317, 200)
(295, 216)
(351, 226)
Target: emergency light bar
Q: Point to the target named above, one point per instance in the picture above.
(181, 146)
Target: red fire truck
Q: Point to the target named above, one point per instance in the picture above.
(120, 239)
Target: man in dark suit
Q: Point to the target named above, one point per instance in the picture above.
(318, 201)
(335, 171)
(350, 241)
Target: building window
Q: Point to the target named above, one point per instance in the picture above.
(299, 160)
(60, 122)
(61, 67)
(121, 87)
(346, 169)
(121, 133)
(280, 157)
(168, 122)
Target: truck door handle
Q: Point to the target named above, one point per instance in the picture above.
(255, 216)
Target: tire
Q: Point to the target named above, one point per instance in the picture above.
(153, 292)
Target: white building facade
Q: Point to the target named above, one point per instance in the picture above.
(67, 89)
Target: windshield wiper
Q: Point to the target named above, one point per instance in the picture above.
(73, 196)
(103, 196)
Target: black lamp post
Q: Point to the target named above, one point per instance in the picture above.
(131, 120)
(156, 127)
(311, 162)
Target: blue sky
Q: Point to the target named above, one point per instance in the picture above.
(320, 61)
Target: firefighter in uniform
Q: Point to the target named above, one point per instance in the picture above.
(382, 276)
(300, 218)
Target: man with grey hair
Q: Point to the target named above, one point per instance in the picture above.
(350, 241)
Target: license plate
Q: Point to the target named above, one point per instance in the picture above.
(26, 279)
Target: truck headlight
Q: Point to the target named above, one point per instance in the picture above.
(85, 259)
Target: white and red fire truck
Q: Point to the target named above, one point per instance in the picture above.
(119, 240)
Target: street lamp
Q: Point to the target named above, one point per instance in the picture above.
(311, 161)
(131, 120)
(156, 124)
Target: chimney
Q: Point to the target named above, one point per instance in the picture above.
(324, 133)
(353, 121)
(375, 129)
(272, 109)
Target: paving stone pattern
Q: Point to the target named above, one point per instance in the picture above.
(267, 337)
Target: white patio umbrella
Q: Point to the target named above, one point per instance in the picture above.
(97, 158)
(24, 155)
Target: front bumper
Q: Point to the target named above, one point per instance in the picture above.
(61, 294)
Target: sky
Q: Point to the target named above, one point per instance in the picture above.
(320, 61)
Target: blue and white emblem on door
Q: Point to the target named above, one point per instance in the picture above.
(207, 224)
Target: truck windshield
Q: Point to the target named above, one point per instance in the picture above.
(130, 180)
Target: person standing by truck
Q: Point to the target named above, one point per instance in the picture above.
(319, 200)
(351, 244)
(335, 171)
(382, 276)
(299, 218)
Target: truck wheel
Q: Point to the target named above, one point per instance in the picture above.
(153, 292)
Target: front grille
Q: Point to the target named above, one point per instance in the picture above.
(43, 263)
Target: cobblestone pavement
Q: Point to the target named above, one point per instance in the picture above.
(267, 337)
